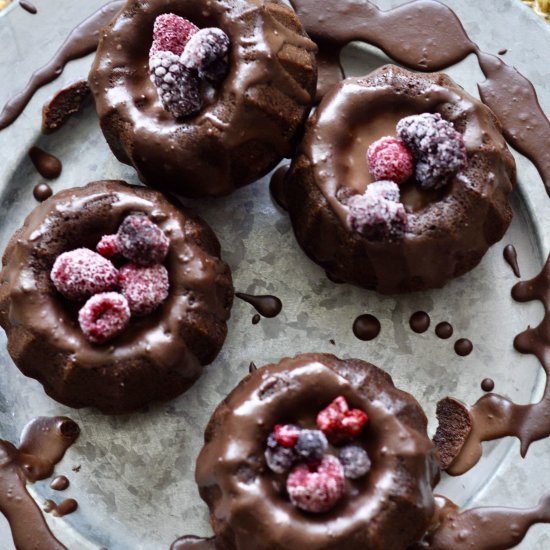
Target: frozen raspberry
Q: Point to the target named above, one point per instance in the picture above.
(377, 214)
(317, 489)
(286, 434)
(339, 423)
(178, 88)
(390, 159)
(206, 51)
(171, 33)
(145, 287)
(142, 241)
(108, 246)
(81, 273)
(355, 460)
(279, 459)
(439, 150)
(104, 316)
(311, 445)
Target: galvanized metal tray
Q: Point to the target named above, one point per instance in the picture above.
(135, 485)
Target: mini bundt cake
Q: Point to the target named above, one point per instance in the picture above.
(401, 183)
(203, 97)
(129, 324)
(318, 453)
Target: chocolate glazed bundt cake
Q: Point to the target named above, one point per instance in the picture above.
(401, 183)
(318, 453)
(131, 323)
(203, 97)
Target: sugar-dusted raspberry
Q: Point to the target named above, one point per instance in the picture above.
(80, 273)
(205, 51)
(279, 459)
(145, 287)
(376, 217)
(355, 460)
(108, 246)
(141, 241)
(439, 150)
(171, 33)
(178, 88)
(104, 316)
(390, 159)
(286, 434)
(311, 445)
(339, 423)
(316, 489)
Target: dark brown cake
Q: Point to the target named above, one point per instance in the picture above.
(449, 230)
(249, 509)
(158, 356)
(250, 123)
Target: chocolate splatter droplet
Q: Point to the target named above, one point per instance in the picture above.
(503, 51)
(444, 330)
(487, 384)
(267, 306)
(59, 483)
(420, 322)
(463, 347)
(256, 319)
(511, 256)
(27, 6)
(46, 165)
(332, 341)
(42, 191)
(190, 542)
(252, 367)
(366, 327)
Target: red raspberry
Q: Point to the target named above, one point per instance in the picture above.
(145, 288)
(141, 241)
(390, 159)
(82, 273)
(104, 316)
(286, 435)
(316, 489)
(339, 423)
(171, 33)
(108, 246)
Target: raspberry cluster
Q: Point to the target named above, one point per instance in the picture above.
(182, 58)
(316, 478)
(112, 296)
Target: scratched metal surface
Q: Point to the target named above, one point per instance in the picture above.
(135, 486)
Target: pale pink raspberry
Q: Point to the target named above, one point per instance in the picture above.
(108, 246)
(390, 159)
(145, 288)
(171, 33)
(104, 316)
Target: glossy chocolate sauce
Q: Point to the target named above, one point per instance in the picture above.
(276, 186)
(190, 542)
(366, 327)
(80, 42)
(42, 191)
(487, 384)
(256, 319)
(252, 367)
(419, 322)
(444, 330)
(403, 34)
(64, 508)
(463, 347)
(28, 6)
(46, 164)
(503, 51)
(495, 416)
(59, 483)
(43, 444)
(267, 306)
(511, 256)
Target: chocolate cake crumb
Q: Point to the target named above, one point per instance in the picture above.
(63, 105)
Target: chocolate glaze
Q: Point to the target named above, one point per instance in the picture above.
(59, 483)
(247, 128)
(158, 356)
(80, 42)
(487, 384)
(483, 528)
(68, 506)
(403, 34)
(43, 444)
(419, 322)
(444, 330)
(276, 186)
(252, 367)
(267, 306)
(27, 6)
(496, 416)
(366, 327)
(46, 164)
(256, 319)
(511, 256)
(190, 542)
(463, 347)
(249, 512)
(65, 103)
(42, 191)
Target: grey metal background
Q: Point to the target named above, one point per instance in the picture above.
(136, 485)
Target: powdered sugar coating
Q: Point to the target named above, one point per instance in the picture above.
(108, 246)
(439, 150)
(142, 241)
(390, 159)
(171, 33)
(316, 489)
(80, 273)
(145, 287)
(205, 49)
(104, 316)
